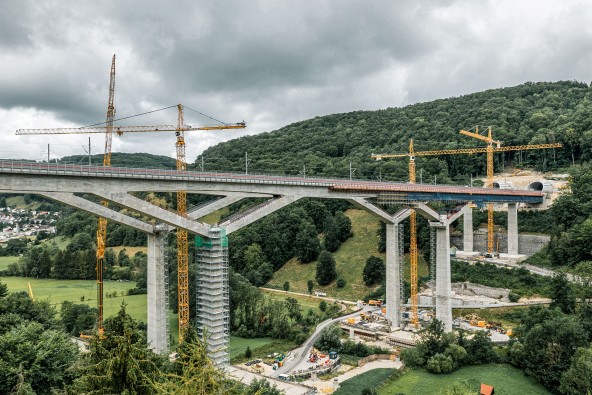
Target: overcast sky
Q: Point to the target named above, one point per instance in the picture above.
(269, 63)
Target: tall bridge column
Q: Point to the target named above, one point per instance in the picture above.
(213, 306)
(467, 229)
(158, 337)
(393, 276)
(512, 229)
(443, 282)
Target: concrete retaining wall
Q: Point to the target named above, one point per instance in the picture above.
(527, 244)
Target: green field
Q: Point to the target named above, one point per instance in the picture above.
(214, 217)
(306, 302)
(57, 291)
(350, 260)
(370, 379)
(506, 380)
(5, 261)
(238, 345)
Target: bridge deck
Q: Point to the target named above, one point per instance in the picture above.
(385, 191)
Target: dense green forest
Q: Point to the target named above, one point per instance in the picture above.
(525, 114)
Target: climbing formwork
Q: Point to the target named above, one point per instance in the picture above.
(213, 309)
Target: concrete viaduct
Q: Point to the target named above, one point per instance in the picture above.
(64, 183)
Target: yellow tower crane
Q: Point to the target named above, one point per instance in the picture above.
(102, 225)
(182, 246)
(490, 149)
(413, 252)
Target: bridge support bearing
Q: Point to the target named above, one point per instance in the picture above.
(158, 337)
(213, 307)
(443, 281)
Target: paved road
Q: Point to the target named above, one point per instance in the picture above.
(298, 355)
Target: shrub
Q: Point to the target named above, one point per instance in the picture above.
(440, 363)
(340, 282)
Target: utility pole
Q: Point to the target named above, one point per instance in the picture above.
(351, 170)
(89, 159)
(202, 163)
(303, 172)
(47, 153)
(246, 164)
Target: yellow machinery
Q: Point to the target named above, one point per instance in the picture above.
(413, 252)
(182, 247)
(102, 225)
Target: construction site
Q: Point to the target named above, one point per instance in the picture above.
(392, 322)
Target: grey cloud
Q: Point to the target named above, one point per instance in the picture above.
(272, 63)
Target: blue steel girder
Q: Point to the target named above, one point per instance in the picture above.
(479, 200)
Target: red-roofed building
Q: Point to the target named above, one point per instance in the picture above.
(486, 390)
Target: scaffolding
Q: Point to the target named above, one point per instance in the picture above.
(213, 308)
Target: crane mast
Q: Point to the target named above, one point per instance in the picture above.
(102, 225)
(182, 246)
(413, 253)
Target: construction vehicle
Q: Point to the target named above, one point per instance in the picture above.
(313, 357)
(182, 245)
(375, 303)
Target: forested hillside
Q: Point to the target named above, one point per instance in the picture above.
(525, 114)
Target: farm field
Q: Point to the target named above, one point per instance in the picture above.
(505, 379)
(57, 291)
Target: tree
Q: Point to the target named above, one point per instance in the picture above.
(262, 387)
(193, 373)
(36, 358)
(578, 378)
(344, 226)
(562, 294)
(440, 363)
(331, 232)
(325, 268)
(480, 349)
(306, 245)
(310, 286)
(340, 282)
(287, 286)
(248, 352)
(329, 339)
(120, 362)
(550, 346)
(322, 305)
(122, 258)
(4, 290)
(374, 271)
(77, 317)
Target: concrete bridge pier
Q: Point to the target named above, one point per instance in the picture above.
(512, 229)
(157, 287)
(393, 275)
(443, 277)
